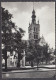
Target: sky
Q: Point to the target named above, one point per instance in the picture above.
(45, 12)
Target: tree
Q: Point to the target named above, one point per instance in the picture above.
(18, 44)
(7, 26)
(46, 53)
(11, 41)
(35, 51)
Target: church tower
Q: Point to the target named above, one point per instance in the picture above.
(34, 28)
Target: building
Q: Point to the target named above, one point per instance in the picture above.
(34, 37)
(34, 29)
(34, 32)
(42, 41)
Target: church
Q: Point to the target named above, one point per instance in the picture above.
(34, 38)
(34, 32)
(34, 35)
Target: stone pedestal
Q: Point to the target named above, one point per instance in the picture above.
(22, 62)
(14, 62)
(8, 62)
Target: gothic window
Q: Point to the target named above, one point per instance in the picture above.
(34, 36)
(30, 35)
(34, 28)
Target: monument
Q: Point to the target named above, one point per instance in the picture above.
(22, 61)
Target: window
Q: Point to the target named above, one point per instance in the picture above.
(30, 35)
(34, 28)
(34, 36)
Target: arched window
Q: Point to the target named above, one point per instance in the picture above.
(34, 36)
(37, 36)
(34, 29)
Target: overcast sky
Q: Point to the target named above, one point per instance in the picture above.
(45, 12)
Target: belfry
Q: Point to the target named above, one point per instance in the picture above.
(34, 28)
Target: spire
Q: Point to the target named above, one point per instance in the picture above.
(33, 12)
(33, 15)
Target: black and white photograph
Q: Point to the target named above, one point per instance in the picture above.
(28, 39)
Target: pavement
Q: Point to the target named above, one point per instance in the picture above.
(32, 70)
(29, 69)
(29, 74)
(46, 71)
